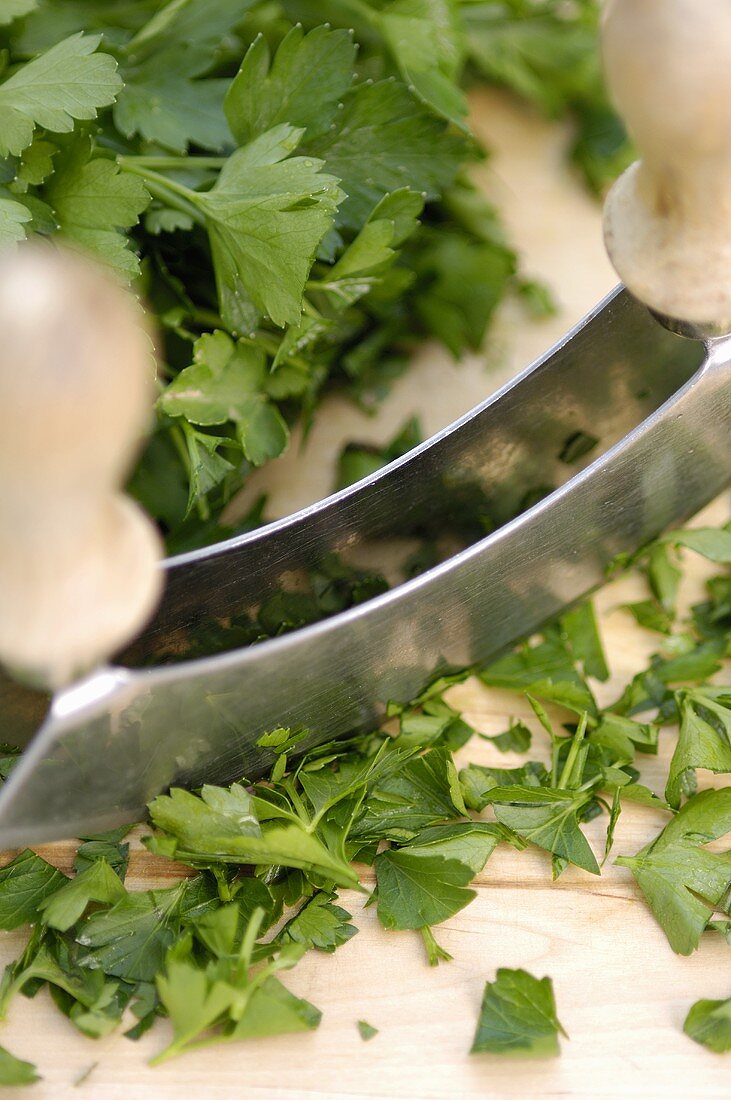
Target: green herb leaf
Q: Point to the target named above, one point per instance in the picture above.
(266, 216)
(682, 880)
(517, 738)
(548, 818)
(401, 142)
(92, 201)
(25, 883)
(225, 383)
(220, 826)
(14, 1071)
(713, 543)
(478, 780)
(518, 1016)
(424, 883)
(14, 217)
(709, 1023)
(704, 740)
(130, 940)
(302, 86)
(546, 670)
(320, 924)
(425, 39)
(366, 1030)
(16, 9)
(582, 632)
(67, 82)
(97, 883)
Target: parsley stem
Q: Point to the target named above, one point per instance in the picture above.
(297, 802)
(250, 935)
(172, 163)
(169, 191)
(573, 751)
(208, 318)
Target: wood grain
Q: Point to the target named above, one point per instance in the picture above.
(621, 993)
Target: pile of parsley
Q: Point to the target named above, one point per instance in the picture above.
(267, 859)
(286, 185)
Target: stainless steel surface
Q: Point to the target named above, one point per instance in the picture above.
(661, 409)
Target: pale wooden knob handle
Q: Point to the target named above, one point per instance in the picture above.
(79, 561)
(668, 218)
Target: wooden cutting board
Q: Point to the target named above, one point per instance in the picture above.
(621, 993)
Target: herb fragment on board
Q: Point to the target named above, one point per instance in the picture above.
(366, 1031)
(518, 1016)
(709, 1023)
(14, 1071)
(682, 880)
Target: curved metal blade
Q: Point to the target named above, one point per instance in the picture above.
(660, 408)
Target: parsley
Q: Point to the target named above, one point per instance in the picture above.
(425, 882)
(293, 202)
(299, 187)
(221, 826)
(67, 83)
(518, 1016)
(25, 883)
(14, 1071)
(92, 201)
(709, 1023)
(682, 880)
(366, 1031)
(207, 952)
(704, 739)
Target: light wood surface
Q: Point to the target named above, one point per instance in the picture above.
(621, 993)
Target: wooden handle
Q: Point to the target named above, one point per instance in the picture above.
(79, 571)
(668, 218)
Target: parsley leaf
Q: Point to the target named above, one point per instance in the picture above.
(226, 383)
(224, 994)
(266, 216)
(709, 1023)
(548, 818)
(67, 82)
(547, 670)
(14, 217)
(518, 1016)
(166, 107)
(704, 739)
(92, 201)
(425, 39)
(163, 100)
(97, 883)
(402, 144)
(14, 1071)
(130, 940)
(425, 882)
(682, 880)
(713, 543)
(582, 633)
(220, 826)
(320, 924)
(25, 883)
(301, 86)
(15, 9)
(478, 781)
(517, 738)
(366, 1031)
(419, 794)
